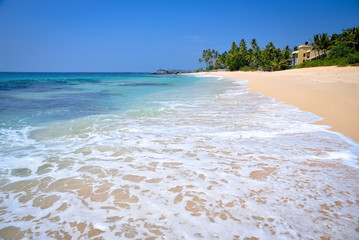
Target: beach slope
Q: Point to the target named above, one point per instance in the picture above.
(329, 92)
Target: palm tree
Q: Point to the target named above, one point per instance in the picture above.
(254, 57)
(200, 60)
(233, 49)
(286, 55)
(221, 61)
(268, 55)
(321, 42)
(209, 56)
(334, 40)
(315, 43)
(351, 36)
(271, 51)
(282, 61)
(324, 42)
(204, 57)
(243, 47)
(254, 45)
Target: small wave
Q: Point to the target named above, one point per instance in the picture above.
(200, 167)
(144, 84)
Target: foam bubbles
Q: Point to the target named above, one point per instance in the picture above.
(229, 165)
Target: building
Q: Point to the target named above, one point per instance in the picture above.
(305, 53)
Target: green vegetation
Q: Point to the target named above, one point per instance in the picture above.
(336, 49)
(324, 62)
(339, 49)
(240, 57)
(209, 56)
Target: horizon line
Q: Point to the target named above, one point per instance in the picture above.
(67, 72)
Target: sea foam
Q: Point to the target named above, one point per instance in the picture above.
(227, 165)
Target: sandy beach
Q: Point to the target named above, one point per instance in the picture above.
(190, 158)
(329, 92)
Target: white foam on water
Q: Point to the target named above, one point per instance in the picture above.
(232, 166)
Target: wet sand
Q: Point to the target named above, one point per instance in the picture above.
(224, 164)
(329, 92)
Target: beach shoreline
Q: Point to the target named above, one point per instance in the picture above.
(329, 92)
(196, 152)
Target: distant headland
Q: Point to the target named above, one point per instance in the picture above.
(173, 71)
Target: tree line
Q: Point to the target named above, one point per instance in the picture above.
(338, 49)
(271, 58)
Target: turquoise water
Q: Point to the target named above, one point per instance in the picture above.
(36, 98)
(133, 155)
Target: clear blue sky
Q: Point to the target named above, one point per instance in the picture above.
(133, 35)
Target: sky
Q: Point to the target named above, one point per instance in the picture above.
(143, 36)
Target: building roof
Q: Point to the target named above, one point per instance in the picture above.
(297, 51)
(305, 46)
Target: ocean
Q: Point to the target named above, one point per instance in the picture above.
(133, 155)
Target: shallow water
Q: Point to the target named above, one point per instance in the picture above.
(169, 158)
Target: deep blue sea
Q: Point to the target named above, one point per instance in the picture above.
(134, 155)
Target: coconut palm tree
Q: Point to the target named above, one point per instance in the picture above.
(282, 61)
(271, 51)
(200, 60)
(315, 43)
(254, 57)
(254, 45)
(286, 55)
(209, 56)
(350, 36)
(221, 61)
(334, 40)
(321, 42)
(243, 47)
(234, 49)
